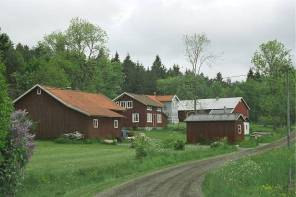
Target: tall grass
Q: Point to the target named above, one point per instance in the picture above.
(264, 175)
(82, 170)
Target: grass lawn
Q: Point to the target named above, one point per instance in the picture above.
(249, 142)
(84, 169)
(264, 175)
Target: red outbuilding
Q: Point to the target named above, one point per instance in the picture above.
(142, 111)
(58, 111)
(212, 127)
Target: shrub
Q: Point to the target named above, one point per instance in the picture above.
(16, 153)
(179, 145)
(142, 144)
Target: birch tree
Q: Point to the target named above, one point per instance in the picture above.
(196, 51)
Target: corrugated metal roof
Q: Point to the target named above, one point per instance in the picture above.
(213, 117)
(220, 111)
(206, 104)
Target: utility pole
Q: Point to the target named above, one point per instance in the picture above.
(288, 109)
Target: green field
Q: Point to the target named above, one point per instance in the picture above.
(264, 175)
(84, 169)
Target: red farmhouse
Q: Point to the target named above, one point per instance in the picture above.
(142, 111)
(57, 111)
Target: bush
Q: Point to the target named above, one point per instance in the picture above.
(179, 145)
(16, 153)
(142, 144)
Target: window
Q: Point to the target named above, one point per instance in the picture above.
(115, 124)
(149, 117)
(96, 123)
(158, 109)
(38, 91)
(159, 120)
(117, 102)
(126, 104)
(149, 108)
(135, 117)
(129, 104)
(239, 129)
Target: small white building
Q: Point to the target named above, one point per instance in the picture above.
(170, 108)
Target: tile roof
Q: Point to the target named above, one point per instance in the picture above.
(164, 98)
(91, 104)
(212, 103)
(213, 117)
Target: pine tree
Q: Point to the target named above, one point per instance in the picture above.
(116, 58)
(158, 69)
(250, 74)
(219, 77)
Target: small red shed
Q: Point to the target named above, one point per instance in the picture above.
(57, 111)
(212, 127)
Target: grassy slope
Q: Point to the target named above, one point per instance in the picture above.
(261, 175)
(83, 169)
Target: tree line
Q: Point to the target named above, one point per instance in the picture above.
(78, 58)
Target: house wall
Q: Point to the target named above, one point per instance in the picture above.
(53, 119)
(142, 110)
(106, 128)
(242, 109)
(200, 131)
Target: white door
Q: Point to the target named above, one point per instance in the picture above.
(246, 128)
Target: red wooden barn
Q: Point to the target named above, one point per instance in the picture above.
(212, 127)
(215, 106)
(57, 111)
(142, 111)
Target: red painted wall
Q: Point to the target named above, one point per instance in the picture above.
(212, 131)
(142, 110)
(54, 119)
(242, 108)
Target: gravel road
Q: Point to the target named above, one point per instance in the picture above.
(182, 180)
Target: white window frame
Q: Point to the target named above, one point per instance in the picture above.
(135, 117)
(115, 124)
(149, 108)
(38, 91)
(159, 118)
(149, 117)
(158, 109)
(239, 129)
(95, 123)
(129, 104)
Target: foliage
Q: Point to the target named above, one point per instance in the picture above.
(262, 175)
(179, 145)
(16, 153)
(142, 145)
(5, 109)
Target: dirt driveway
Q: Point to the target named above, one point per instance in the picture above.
(183, 180)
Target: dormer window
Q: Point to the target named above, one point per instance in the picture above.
(38, 91)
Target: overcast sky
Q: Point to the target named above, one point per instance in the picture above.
(146, 28)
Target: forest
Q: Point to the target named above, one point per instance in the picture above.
(78, 58)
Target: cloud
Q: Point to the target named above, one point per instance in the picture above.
(146, 28)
